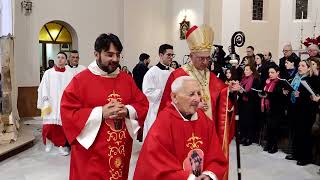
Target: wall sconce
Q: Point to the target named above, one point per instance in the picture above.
(26, 5)
(184, 27)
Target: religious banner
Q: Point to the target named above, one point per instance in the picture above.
(9, 118)
(184, 27)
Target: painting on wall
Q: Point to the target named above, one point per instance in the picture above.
(184, 27)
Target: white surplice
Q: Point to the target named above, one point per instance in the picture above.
(50, 92)
(153, 86)
(75, 70)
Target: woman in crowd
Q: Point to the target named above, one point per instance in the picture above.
(291, 70)
(315, 84)
(125, 69)
(248, 103)
(272, 108)
(228, 75)
(174, 65)
(301, 116)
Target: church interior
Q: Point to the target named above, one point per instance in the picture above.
(32, 32)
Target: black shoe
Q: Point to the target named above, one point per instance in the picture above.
(247, 143)
(303, 163)
(266, 148)
(243, 141)
(273, 150)
(290, 157)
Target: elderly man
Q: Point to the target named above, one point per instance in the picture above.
(313, 51)
(287, 53)
(215, 101)
(182, 143)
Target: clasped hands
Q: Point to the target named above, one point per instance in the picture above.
(234, 86)
(114, 110)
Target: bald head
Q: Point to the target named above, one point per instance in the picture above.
(186, 94)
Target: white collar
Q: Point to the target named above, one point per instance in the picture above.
(194, 117)
(94, 68)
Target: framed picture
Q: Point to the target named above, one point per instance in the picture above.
(184, 27)
(65, 47)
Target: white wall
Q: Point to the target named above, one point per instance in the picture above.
(290, 29)
(230, 21)
(6, 17)
(146, 27)
(195, 14)
(262, 35)
(102, 16)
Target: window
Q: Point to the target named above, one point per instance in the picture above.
(257, 10)
(301, 9)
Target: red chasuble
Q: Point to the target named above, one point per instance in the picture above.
(220, 104)
(173, 145)
(109, 155)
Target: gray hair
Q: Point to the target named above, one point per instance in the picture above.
(177, 84)
(314, 46)
(288, 45)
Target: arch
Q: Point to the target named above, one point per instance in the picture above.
(55, 36)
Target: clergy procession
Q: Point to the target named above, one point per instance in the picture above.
(171, 122)
(160, 90)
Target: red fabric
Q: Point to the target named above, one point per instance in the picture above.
(56, 68)
(167, 146)
(85, 92)
(190, 31)
(220, 103)
(269, 87)
(218, 89)
(54, 133)
(246, 83)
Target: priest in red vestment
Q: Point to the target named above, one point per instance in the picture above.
(216, 98)
(182, 144)
(102, 109)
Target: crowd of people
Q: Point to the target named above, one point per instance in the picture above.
(182, 114)
(278, 102)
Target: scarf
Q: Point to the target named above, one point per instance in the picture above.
(246, 83)
(295, 85)
(269, 87)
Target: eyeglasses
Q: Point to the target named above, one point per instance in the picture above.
(171, 55)
(208, 58)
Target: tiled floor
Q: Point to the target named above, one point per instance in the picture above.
(35, 164)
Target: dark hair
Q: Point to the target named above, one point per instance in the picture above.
(50, 60)
(275, 67)
(164, 47)
(269, 53)
(251, 47)
(253, 69)
(63, 54)
(143, 56)
(263, 60)
(175, 62)
(104, 41)
(291, 59)
(316, 60)
(74, 51)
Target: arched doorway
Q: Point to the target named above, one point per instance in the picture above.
(54, 36)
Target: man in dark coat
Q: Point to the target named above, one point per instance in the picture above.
(141, 69)
(287, 53)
